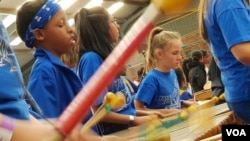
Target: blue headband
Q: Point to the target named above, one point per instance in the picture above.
(42, 17)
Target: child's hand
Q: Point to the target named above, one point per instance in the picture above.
(144, 119)
(169, 112)
(186, 103)
(157, 113)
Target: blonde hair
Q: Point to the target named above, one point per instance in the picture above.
(202, 9)
(158, 39)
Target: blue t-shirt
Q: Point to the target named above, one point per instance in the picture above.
(185, 95)
(119, 85)
(131, 85)
(159, 90)
(88, 65)
(52, 84)
(11, 81)
(227, 24)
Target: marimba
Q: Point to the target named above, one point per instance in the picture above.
(202, 95)
(200, 125)
(207, 124)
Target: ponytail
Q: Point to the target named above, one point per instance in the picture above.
(150, 57)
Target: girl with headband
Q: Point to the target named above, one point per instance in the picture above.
(16, 124)
(42, 24)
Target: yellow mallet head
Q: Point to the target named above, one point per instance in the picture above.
(170, 7)
(214, 99)
(184, 114)
(108, 98)
(191, 109)
(119, 102)
(222, 97)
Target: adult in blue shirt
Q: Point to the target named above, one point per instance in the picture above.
(225, 25)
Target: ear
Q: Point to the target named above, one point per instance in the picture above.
(158, 53)
(38, 34)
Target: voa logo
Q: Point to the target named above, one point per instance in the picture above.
(236, 132)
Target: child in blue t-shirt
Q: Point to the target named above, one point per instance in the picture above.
(98, 32)
(16, 122)
(52, 84)
(159, 89)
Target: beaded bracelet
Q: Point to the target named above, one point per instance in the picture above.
(6, 128)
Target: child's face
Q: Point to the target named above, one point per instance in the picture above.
(114, 29)
(59, 37)
(171, 56)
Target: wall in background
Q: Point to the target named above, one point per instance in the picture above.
(192, 41)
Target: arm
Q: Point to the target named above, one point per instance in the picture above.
(24, 131)
(34, 120)
(241, 52)
(118, 118)
(238, 42)
(28, 131)
(141, 109)
(148, 112)
(113, 117)
(34, 131)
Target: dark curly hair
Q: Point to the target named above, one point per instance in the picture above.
(25, 15)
